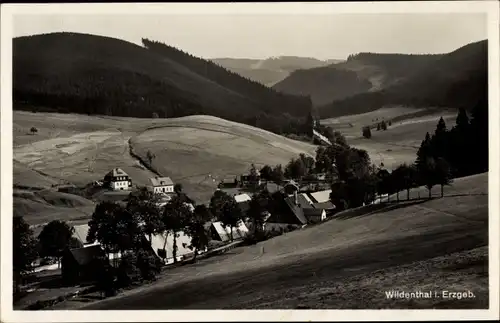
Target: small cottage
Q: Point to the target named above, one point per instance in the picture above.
(83, 264)
(221, 233)
(161, 185)
(286, 214)
(314, 215)
(163, 245)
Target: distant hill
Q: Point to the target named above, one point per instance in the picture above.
(81, 73)
(324, 84)
(458, 79)
(271, 70)
(361, 73)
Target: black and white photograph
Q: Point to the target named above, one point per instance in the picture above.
(249, 156)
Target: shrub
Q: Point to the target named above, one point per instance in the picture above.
(127, 272)
(367, 133)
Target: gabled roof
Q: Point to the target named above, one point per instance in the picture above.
(85, 255)
(292, 182)
(313, 212)
(161, 181)
(287, 212)
(81, 232)
(163, 240)
(321, 196)
(304, 201)
(324, 206)
(242, 198)
(225, 233)
(115, 172)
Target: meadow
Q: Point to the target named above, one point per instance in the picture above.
(400, 142)
(80, 149)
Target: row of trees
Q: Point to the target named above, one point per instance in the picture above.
(367, 132)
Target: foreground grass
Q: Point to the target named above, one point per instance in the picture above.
(465, 271)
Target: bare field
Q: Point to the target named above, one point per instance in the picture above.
(400, 142)
(198, 151)
(79, 149)
(332, 264)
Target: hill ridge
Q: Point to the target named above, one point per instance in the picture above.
(85, 73)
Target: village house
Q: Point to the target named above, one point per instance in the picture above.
(287, 213)
(228, 182)
(221, 233)
(314, 215)
(162, 246)
(243, 201)
(161, 185)
(83, 265)
(309, 203)
(247, 179)
(117, 180)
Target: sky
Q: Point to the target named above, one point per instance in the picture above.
(322, 36)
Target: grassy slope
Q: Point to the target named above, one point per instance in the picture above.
(41, 207)
(189, 149)
(80, 149)
(347, 262)
(400, 142)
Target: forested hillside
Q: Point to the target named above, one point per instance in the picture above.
(80, 73)
(271, 70)
(324, 84)
(363, 72)
(455, 80)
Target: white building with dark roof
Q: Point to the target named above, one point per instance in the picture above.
(117, 180)
(161, 185)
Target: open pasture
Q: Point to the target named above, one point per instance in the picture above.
(198, 151)
(79, 149)
(400, 142)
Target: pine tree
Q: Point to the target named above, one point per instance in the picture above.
(309, 125)
(439, 140)
(424, 151)
(462, 121)
(479, 136)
